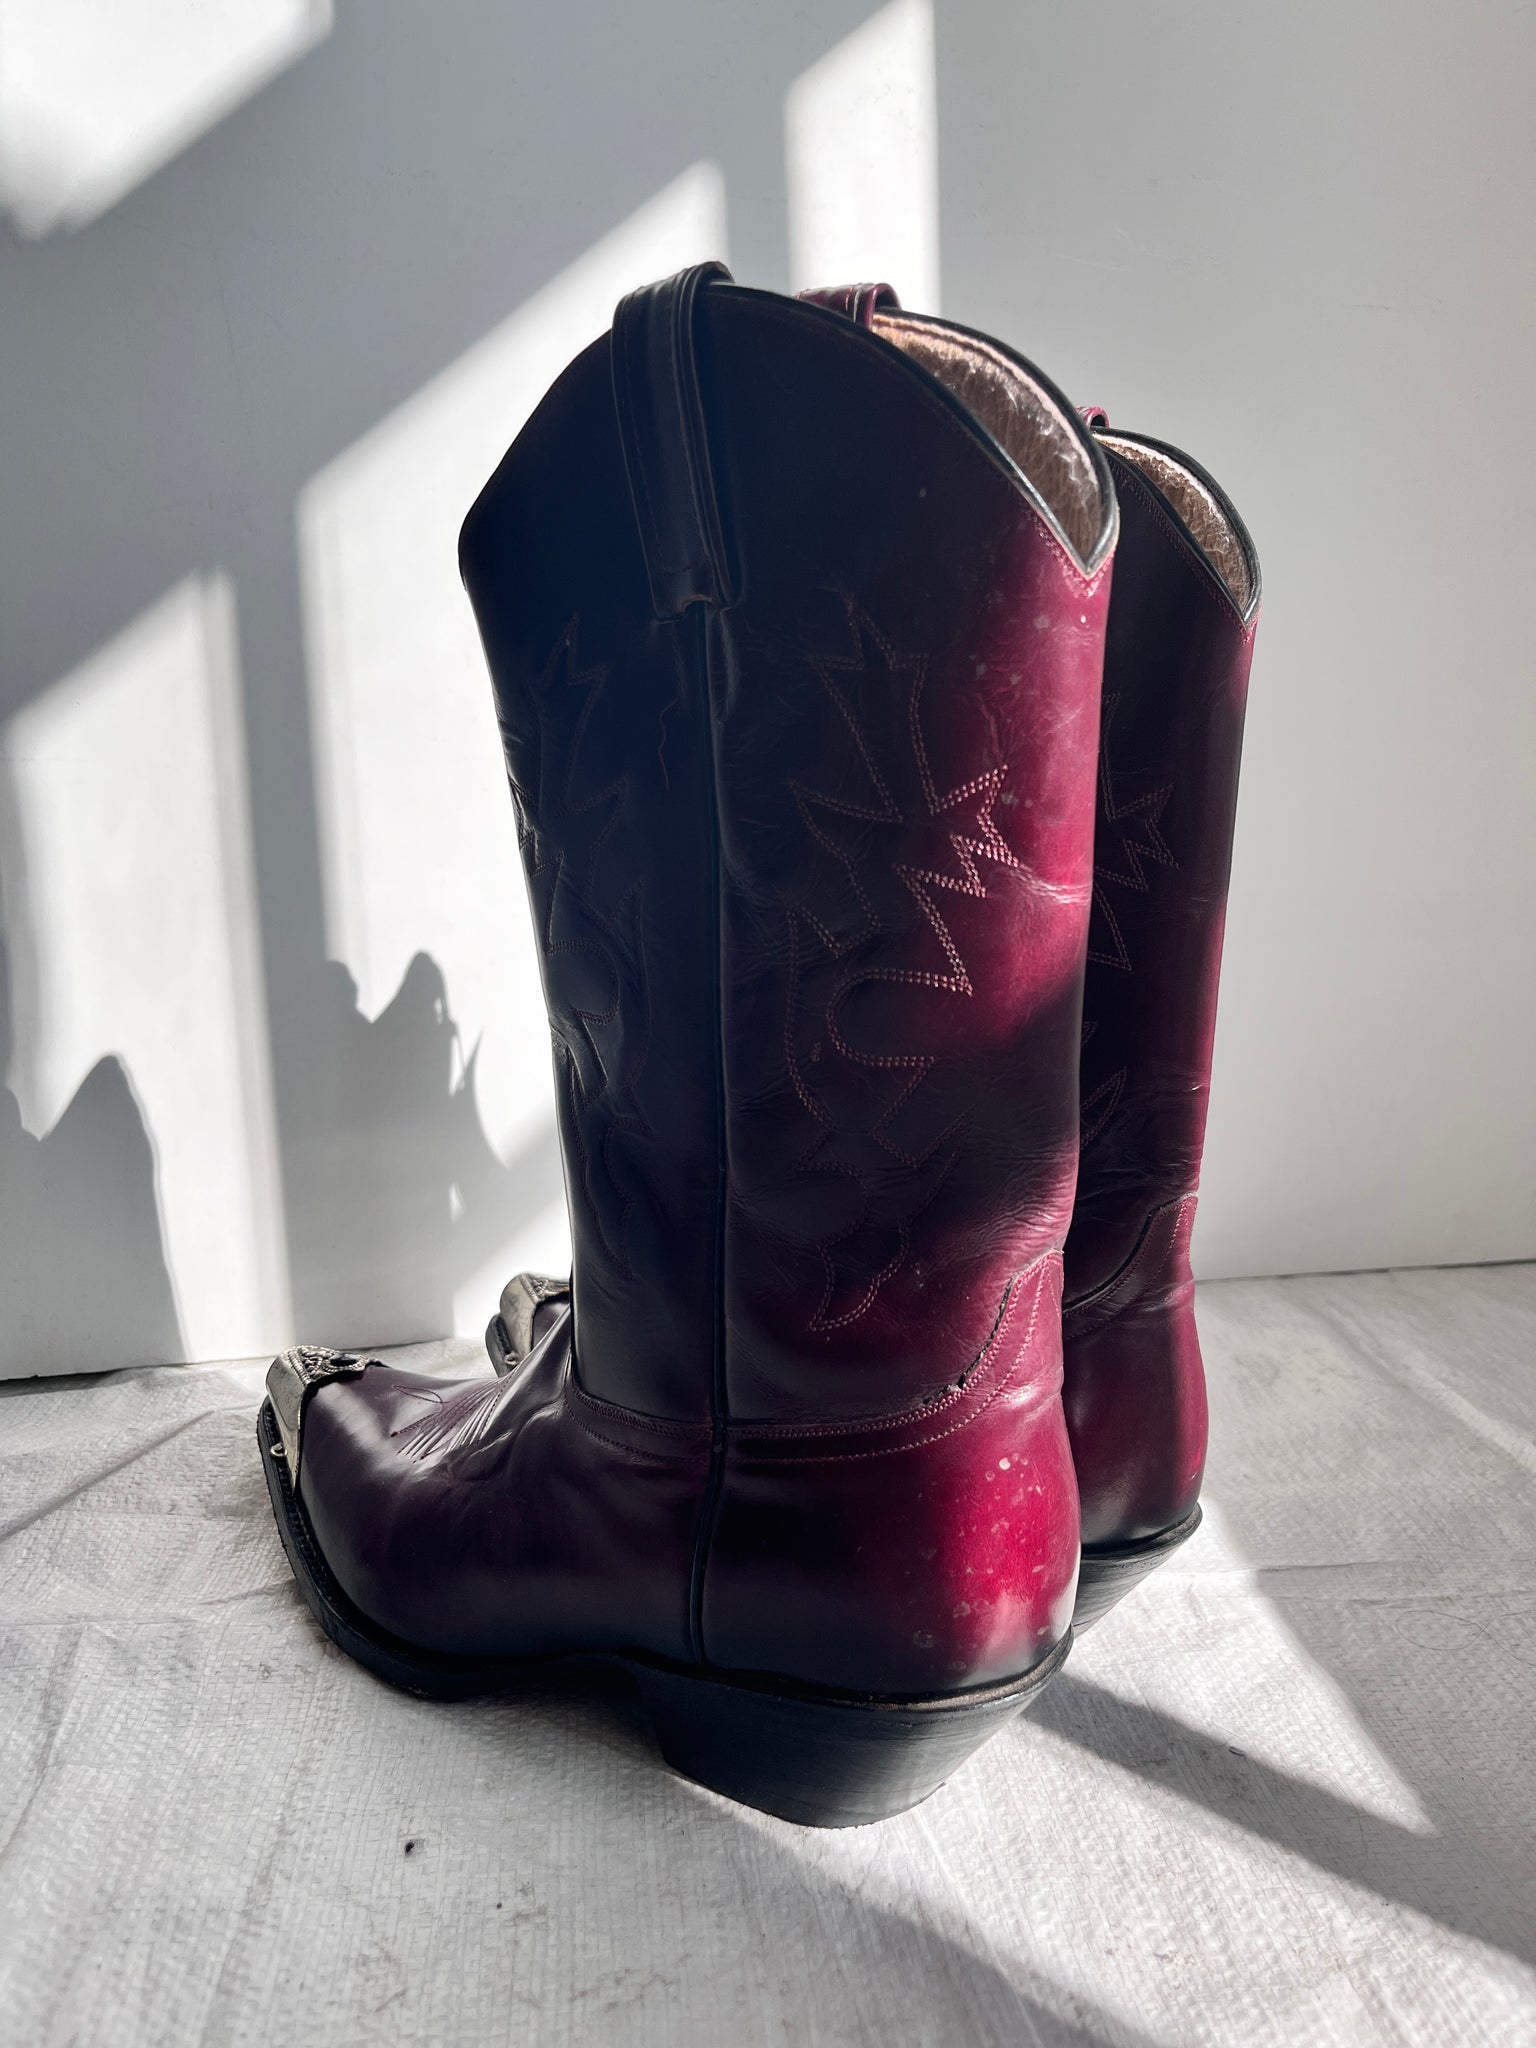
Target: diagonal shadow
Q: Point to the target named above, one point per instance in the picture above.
(589, 1886)
(177, 371)
(83, 1273)
(1449, 1880)
(1323, 1449)
(404, 1191)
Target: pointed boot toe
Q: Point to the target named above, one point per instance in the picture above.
(468, 1537)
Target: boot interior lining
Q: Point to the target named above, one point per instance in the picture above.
(1027, 423)
(1199, 508)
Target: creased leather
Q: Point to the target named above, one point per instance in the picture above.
(505, 1517)
(917, 1553)
(1135, 1393)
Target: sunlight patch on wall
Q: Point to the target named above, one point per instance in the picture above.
(417, 837)
(95, 95)
(128, 909)
(861, 149)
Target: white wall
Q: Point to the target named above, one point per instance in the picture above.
(1295, 239)
(269, 1037)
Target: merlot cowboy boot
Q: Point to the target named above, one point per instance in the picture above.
(1181, 631)
(1180, 640)
(797, 658)
(1181, 628)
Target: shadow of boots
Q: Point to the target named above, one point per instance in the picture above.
(395, 1195)
(84, 1283)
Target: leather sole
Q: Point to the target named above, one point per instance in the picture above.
(1109, 1571)
(824, 1759)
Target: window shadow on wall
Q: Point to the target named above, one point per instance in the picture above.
(83, 1277)
(399, 1192)
(178, 372)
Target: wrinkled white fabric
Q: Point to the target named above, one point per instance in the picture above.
(1282, 1795)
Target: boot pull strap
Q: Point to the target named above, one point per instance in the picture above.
(662, 426)
(859, 301)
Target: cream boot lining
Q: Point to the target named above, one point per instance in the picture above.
(1199, 509)
(1023, 419)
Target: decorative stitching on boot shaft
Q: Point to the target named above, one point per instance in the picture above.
(957, 833)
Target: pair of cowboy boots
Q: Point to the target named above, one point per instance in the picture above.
(877, 857)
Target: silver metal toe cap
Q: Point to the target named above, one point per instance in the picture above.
(521, 1299)
(292, 1377)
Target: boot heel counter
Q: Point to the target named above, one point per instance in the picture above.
(1134, 1388)
(929, 1552)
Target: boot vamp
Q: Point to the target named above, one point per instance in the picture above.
(489, 1518)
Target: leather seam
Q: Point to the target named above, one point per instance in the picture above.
(938, 1436)
(699, 1435)
(683, 339)
(629, 1418)
(629, 1450)
(1096, 1296)
(772, 1436)
(651, 539)
(981, 1365)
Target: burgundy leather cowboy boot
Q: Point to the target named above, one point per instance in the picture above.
(1180, 640)
(796, 632)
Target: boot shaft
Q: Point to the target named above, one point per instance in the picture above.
(1179, 645)
(1177, 656)
(797, 673)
